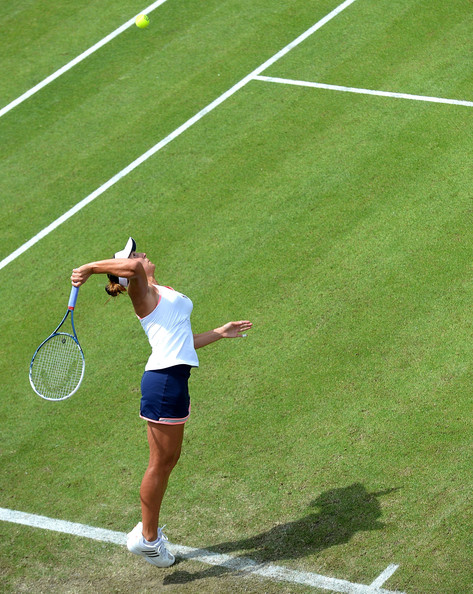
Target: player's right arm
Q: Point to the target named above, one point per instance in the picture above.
(124, 267)
(143, 296)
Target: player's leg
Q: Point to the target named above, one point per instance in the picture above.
(165, 442)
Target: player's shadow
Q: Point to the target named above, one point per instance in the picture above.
(337, 515)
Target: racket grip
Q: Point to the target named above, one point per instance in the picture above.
(73, 298)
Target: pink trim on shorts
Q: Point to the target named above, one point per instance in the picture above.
(165, 421)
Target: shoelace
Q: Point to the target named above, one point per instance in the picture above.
(161, 534)
(162, 543)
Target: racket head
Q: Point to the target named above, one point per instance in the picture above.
(57, 367)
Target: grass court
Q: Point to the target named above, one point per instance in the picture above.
(336, 438)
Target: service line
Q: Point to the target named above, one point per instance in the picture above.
(305, 83)
(157, 147)
(239, 564)
(78, 59)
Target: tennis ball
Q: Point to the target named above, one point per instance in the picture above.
(142, 21)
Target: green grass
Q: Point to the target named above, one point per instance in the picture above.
(336, 437)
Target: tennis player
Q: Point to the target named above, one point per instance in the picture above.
(165, 404)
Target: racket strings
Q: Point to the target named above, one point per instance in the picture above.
(57, 368)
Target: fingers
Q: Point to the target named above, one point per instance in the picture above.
(75, 278)
(78, 278)
(241, 327)
(243, 324)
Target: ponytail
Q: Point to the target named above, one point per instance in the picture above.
(113, 287)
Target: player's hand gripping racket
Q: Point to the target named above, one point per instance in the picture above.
(57, 367)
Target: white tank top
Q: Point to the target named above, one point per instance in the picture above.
(169, 331)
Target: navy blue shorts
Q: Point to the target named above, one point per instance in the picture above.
(165, 395)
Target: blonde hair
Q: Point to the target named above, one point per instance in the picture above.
(113, 287)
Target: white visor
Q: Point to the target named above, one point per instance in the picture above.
(126, 253)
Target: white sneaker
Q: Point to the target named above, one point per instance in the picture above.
(156, 554)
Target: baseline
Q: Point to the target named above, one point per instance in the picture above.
(77, 60)
(240, 564)
(304, 83)
(157, 147)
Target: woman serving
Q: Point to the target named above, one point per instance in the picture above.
(165, 404)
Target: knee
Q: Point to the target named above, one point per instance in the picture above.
(165, 462)
(173, 460)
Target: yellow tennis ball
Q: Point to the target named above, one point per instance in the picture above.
(142, 21)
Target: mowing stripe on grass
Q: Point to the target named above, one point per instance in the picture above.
(75, 61)
(240, 564)
(304, 83)
(157, 147)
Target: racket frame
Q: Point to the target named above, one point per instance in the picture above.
(70, 310)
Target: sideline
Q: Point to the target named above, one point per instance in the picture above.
(157, 147)
(240, 564)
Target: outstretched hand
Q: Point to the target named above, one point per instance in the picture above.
(235, 329)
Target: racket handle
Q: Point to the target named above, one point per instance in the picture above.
(73, 298)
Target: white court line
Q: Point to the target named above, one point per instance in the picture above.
(383, 577)
(244, 81)
(304, 83)
(76, 61)
(240, 564)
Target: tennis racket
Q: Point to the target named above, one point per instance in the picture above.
(57, 367)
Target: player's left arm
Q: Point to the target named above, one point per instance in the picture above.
(228, 330)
